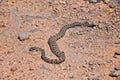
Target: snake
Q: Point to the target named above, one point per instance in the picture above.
(53, 45)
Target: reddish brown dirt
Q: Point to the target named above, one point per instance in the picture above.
(89, 51)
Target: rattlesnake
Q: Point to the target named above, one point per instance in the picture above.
(54, 47)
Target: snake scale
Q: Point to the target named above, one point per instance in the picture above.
(53, 45)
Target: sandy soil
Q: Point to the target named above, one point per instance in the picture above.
(89, 51)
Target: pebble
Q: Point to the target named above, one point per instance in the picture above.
(117, 68)
(94, 78)
(115, 73)
(84, 9)
(23, 36)
(1, 1)
(46, 68)
(10, 51)
(118, 1)
(118, 36)
(13, 69)
(117, 42)
(93, 1)
(1, 59)
(84, 66)
(112, 4)
(2, 23)
(115, 56)
(80, 79)
(100, 25)
(34, 30)
(71, 77)
(90, 63)
(106, 1)
(117, 52)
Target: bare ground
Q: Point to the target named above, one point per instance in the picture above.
(89, 51)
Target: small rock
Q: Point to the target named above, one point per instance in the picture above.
(13, 69)
(84, 9)
(110, 62)
(2, 23)
(34, 30)
(118, 1)
(46, 68)
(90, 63)
(117, 52)
(115, 56)
(10, 51)
(31, 69)
(72, 45)
(93, 78)
(1, 1)
(101, 25)
(1, 59)
(93, 1)
(71, 77)
(106, 1)
(118, 36)
(118, 42)
(63, 2)
(84, 66)
(80, 79)
(91, 68)
(23, 36)
(117, 68)
(96, 78)
(115, 73)
(112, 4)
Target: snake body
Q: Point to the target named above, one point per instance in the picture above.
(53, 45)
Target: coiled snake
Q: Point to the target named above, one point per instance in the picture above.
(54, 47)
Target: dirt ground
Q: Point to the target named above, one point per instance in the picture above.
(89, 50)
